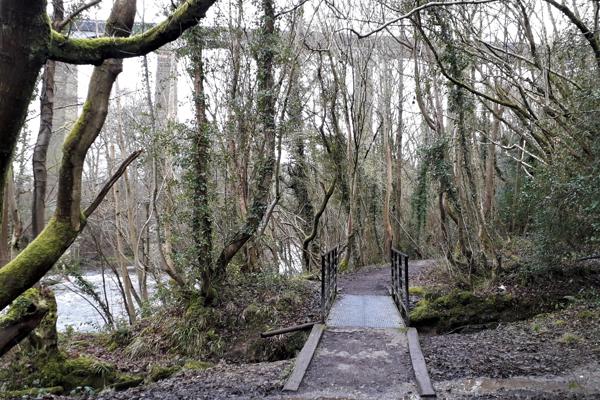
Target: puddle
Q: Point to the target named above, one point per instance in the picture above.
(583, 381)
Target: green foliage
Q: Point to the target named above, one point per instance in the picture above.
(417, 291)
(559, 207)
(434, 166)
(37, 392)
(569, 339)
(248, 304)
(195, 365)
(159, 372)
(420, 197)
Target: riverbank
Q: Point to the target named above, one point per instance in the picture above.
(182, 337)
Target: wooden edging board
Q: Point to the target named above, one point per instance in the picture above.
(418, 363)
(304, 358)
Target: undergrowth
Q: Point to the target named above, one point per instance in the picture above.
(248, 304)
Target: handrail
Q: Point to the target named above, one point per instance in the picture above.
(329, 272)
(399, 289)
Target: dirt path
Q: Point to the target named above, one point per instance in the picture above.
(376, 279)
(353, 363)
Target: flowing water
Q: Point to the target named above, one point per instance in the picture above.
(75, 310)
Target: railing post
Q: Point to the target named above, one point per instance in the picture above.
(323, 301)
(407, 300)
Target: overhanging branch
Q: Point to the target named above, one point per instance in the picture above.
(94, 51)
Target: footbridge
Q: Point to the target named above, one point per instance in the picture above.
(364, 347)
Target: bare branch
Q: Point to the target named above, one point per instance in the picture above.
(59, 26)
(113, 179)
(416, 10)
(587, 33)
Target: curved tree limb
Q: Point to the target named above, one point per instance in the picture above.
(313, 234)
(583, 28)
(109, 184)
(94, 51)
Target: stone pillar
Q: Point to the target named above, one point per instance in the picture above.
(65, 115)
(165, 91)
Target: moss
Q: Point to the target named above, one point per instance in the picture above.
(35, 260)
(574, 385)
(37, 392)
(28, 303)
(120, 338)
(126, 381)
(195, 365)
(67, 49)
(276, 348)
(569, 339)
(159, 372)
(58, 370)
(462, 308)
(289, 301)
(586, 314)
(45, 337)
(343, 266)
(75, 133)
(254, 314)
(80, 371)
(417, 291)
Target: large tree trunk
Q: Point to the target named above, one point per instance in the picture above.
(39, 257)
(24, 33)
(40, 151)
(266, 123)
(386, 113)
(398, 164)
(201, 215)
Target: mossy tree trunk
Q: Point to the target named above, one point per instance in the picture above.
(32, 316)
(27, 41)
(201, 215)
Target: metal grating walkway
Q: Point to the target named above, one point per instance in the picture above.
(364, 311)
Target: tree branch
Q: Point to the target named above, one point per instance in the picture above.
(315, 227)
(113, 179)
(94, 51)
(416, 10)
(59, 26)
(587, 33)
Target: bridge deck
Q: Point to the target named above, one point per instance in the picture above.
(364, 311)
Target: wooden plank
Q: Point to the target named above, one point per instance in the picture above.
(418, 363)
(289, 329)
(304, 358)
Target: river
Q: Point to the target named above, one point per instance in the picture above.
(76, 312)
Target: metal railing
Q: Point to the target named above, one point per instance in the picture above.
(329, 272)
(399, 266)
